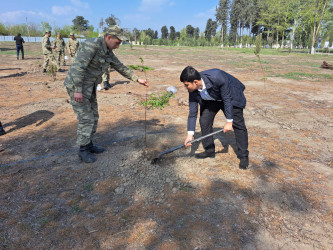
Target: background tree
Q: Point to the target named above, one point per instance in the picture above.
(319, 14)
(172, 34)
(234, 21)
(45, 26)
(80, 24)
(165, 32)
(222, 16)
(136, 34)
(211, 27)
(3, 30)
(112, 20)
(190, 31)
(101, 24)
(196, 33)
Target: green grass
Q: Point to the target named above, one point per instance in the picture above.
(303, 76)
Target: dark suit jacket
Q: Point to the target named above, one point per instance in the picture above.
(221, 86)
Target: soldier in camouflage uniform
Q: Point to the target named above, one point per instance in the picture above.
(91, 61)
(72, 45)
(59, 45)
(47, 51)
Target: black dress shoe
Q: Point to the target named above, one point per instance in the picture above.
(204, 155)
(244, 163)
(61, 70)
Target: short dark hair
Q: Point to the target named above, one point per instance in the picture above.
(19, 34)
(189, 74)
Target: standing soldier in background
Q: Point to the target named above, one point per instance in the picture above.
(47, 51)
(106, 75)
(92, 60)
(59, 45)
(72, 46)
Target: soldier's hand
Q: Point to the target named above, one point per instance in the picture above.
(143, 82)
(78, 97)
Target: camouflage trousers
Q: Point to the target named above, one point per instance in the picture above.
(87, 116)
(60, 57)
(49, 58)
(106, 75)
(72, 56)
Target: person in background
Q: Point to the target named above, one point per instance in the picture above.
(19, 45)
(72, 46)
(59, 45)
(47, 51)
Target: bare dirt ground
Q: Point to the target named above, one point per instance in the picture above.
(50, 200)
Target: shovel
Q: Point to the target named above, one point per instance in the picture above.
(182, 145)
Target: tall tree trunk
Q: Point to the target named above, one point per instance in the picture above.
(316, 29)
(222, 30)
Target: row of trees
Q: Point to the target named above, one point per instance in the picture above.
(236, 23)
(80, 26)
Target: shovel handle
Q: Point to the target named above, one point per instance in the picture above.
(182, 145)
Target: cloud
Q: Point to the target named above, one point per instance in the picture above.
(80, 4)
(62, 10)
(19, 16)
(154, 5)
(210, 13)
(136, 18)
(76, 7)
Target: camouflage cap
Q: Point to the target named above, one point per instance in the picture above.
(116, 31)
(72, 34)
(47, 31)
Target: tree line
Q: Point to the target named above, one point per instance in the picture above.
(237, 23)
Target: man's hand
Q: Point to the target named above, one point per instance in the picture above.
(78, 97)
(227, 127)
(143, 82)
(69, 52)
(188, 139)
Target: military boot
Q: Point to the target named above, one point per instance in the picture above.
(107, 85)
(95, 149)
(2, 131)
(85, 154)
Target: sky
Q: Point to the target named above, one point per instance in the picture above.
(140, 14)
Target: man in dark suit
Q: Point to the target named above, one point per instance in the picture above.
(216, 90)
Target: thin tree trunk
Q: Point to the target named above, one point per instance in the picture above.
(316, 29)
(222, 30)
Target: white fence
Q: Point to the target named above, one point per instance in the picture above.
(32, 39)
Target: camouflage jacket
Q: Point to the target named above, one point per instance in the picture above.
(92, 59)
(46, 45)
(60, 43)
(72, 45)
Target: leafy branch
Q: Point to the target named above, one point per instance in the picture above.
(157, 101)
(139, 67)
